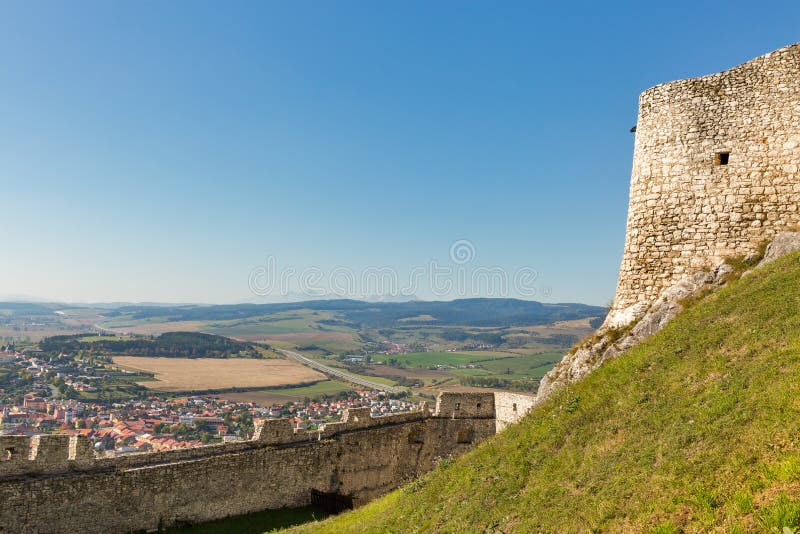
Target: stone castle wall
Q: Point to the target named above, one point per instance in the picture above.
(688, 209)
(511, 407)
(54, 483)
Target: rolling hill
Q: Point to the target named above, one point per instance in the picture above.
(471, 312)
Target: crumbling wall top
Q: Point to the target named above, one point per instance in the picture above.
(458, 405)
(56, 453)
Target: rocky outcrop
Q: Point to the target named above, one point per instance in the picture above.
(782, 244)
(610, 341)
(613, 338)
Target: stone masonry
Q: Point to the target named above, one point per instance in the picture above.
(55, 484)
(715, 175)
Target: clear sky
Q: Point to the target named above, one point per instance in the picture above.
(163, 151)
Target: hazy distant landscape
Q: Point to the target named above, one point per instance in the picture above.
(425, 346)
(325, 266)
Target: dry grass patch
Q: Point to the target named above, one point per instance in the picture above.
(184, 374)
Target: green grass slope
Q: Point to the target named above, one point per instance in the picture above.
(696, 430)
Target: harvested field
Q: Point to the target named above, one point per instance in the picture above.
(390, 372)
(201, 374)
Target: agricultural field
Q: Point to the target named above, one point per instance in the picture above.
(490, 343)
(269, 396)
(398, 373)
(285, 329)
(533, 366)
(433, 359)
(378, 379)
(508, 364)
(429, 371)
(151, 327)
(209, 374)
(29, 323)
(318, 343)
(339, 326)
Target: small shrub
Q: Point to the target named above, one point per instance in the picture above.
(414, 486)
(743, 263)
(614, 334)
(446, 462)
(571, 406)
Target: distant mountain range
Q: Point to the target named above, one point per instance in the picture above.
(474, 312)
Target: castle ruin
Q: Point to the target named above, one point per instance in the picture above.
(54, 483)
(715, 175)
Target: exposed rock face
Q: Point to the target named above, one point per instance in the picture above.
(782, 245)
(584, 360)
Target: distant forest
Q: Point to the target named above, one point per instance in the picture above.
(167, 345)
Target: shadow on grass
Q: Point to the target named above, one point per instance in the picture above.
(255, 523)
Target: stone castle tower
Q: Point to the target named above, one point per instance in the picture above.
(715, 174)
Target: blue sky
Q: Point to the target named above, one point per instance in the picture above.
(162, 151)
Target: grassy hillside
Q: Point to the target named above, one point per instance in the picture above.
(697, 429)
